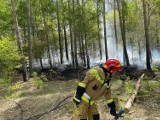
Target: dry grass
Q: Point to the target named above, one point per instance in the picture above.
(34, 101)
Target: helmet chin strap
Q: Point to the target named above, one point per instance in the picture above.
(106, 74)
(110, 68)
(107, 71)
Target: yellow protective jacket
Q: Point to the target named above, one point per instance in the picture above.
(96, 85)
(92, 87)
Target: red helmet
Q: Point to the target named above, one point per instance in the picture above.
(112, 65)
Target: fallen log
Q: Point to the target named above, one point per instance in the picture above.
(132, 98)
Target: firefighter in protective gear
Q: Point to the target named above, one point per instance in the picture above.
(94, 85)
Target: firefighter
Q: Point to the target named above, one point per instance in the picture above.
(94, 85)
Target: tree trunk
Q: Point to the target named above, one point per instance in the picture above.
(70, 29)
(46, 35)
(24, 34)
(139, 50)
(82, 36)
(104, 24)
(123, 33)
(157, 38)
(19, 41)
(87, 54)
(124, 37)
(66, 42)
(148, 52)
(157, 34)
(75, 36)
(41, 63)
(83, 50)
(29, 38)
(115, 27)
(59, 32)
(99, 36)
(75, 50)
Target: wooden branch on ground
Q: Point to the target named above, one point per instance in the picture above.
(132, 98)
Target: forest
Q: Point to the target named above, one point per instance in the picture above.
(47, 44)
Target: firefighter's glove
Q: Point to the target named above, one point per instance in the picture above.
(119, 114)
(112, 108)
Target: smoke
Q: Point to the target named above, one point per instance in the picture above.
(134, 57)
(133, 52)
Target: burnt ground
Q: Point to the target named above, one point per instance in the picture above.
(67, 74)
(133, 72)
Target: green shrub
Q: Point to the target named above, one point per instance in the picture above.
(34, 74)
(144, 92)
(14, 87)
(9, 58)
(148, 87)
(124, 77)
(129, 87)
(155, 69)
(129, 90)
(155, 84)
(13, 90)
(4, 82)
(38, 83)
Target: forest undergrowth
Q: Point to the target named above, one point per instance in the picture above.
(38, 100)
